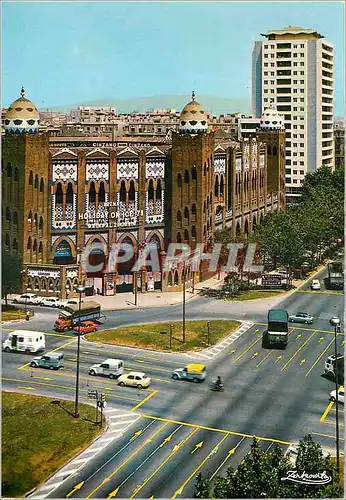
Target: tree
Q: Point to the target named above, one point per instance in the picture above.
(10, 273)
(259, 475)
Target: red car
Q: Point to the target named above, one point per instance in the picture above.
(86, 327)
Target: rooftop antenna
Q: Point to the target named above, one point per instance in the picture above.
(193, 95)
(22, 92)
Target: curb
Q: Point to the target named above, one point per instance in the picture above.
(76, 463)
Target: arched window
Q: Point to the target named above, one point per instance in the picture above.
(35, 219)
(9, 170)
(15, 244)
(194, 173)
(275, 151)
(102, 192)
(132, 191)
(123, 191)
(30, 217)
(28, 246)
(34, 247)
(176, 278)
(179, 218)
(41, 185)
(7, 240)
(221, 186)
(186, 214)
(92, 193)
(205, 169)
(40, 226)
(69, 193)
(169, 280)
(193, 210)
(151, 190)
(204, 207)
(216, 188)
(31, 178)
(269, 150)
(193, 232)
(179, 180)
(158, 190)
(8, 215)
(40, 247)
(155, 242)
(178, 238)
(36, 182)
(58, 194)
(186, 177)
(43, 284)
(15, 218)
(16, 174)
(186, 235)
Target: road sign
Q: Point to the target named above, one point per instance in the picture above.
(101, 404)
(92, 394)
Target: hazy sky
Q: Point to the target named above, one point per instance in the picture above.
(66, 53)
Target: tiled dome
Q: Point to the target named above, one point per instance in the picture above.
(193, 119)
(22, 117)
(271, 120)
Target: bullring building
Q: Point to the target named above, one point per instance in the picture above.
(63, 193)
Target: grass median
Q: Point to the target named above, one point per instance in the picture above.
(12, 314)
(255, 294)
(38, 438)
(157, 335)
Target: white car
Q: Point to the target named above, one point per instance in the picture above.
(27, 298)
(50, 302)
(341, 395)
(134, 379)
(69, 302)
(315, 285)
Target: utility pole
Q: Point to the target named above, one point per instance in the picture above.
(170, 336)
(80, 289)
(208, 325)
(336, 323)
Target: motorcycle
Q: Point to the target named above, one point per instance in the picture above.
(213, 386)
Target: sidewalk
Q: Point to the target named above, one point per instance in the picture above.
(152, 299)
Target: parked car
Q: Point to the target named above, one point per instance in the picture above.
(341, 395)
(69, 302)
(27, 298)
(52, 360)
(301, 317)
(135, 379)
(86, 327)
(193, 372)
(315, 285)
(111, 368)
(50, 302)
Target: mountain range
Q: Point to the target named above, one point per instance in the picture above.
(212, 104)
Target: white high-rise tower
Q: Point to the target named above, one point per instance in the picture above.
(294, 67)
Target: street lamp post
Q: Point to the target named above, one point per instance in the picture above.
(80, 289)
(184, 300)
(208, 325)
(335, 321)
(135, 288)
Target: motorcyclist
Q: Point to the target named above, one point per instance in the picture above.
(218, 383)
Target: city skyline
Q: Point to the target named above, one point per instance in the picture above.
(68, 53)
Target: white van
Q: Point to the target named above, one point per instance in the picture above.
(111, 368)
(24, 341)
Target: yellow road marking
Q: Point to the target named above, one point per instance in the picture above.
(263, 360)
(326, 411)
(298, 350)
(308, 329)
(229, 455)
(26, 388)
(61, 387)
(56, 349)
(247, 350)
(223, 431)
(137, 450)
(180, 490)
(319, 357)
(152, 394)
(173, 452)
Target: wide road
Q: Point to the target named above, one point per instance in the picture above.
(185, 428)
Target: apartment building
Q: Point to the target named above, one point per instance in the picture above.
(294, 67)
(339, 144)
